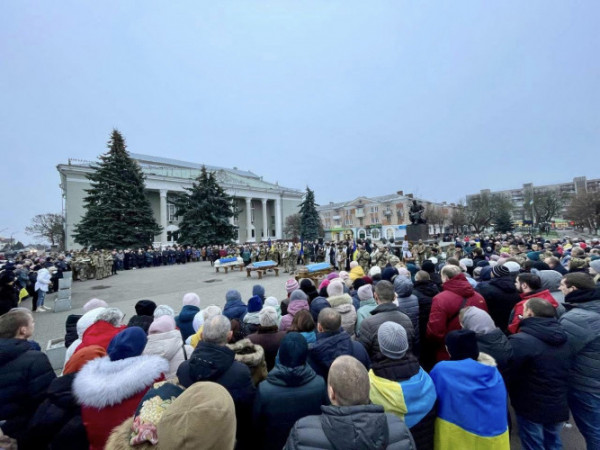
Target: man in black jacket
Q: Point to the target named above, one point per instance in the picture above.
(500, 295)
(538, 376)
(24, 373)
(385, 311)
(333, 341)
(425, 289)
(351, 421)
(213, 361)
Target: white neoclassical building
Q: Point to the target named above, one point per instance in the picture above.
(262, 206)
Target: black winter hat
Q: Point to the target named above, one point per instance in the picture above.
(428, 266)
(145, 308)
(462, 344)
(293, 350)
(389, 273)
(500, 271)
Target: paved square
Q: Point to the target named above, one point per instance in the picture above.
(163, 285)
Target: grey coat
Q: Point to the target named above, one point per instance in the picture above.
(582, 325)
(350, 428)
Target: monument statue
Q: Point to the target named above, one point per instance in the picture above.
(416, 213)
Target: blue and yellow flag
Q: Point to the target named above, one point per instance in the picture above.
(472, 406)
(411, 399)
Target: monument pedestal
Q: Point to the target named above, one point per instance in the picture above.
(414, 232)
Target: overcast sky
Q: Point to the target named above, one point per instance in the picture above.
(437, 98)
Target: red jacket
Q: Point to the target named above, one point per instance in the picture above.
(445, 307)
(517, 312)
(110, 391)
(100, 333)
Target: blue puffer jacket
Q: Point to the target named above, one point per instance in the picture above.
(409, 305)
(582, 325)
(235, 309)
(185, 319)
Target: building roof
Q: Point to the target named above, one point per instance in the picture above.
(372, 200)
(172, 168)
(188, 165)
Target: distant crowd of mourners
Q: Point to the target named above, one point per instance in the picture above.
(400, 346)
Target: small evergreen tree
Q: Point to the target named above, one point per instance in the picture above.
(117, 212)
(205, 211)
(311, 222)
(503, 222)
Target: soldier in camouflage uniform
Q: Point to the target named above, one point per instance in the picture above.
(382, 258)
(262, 254)
(394, 260)
(293, 261)
(99, 266)
(93, 265)
(364, 259)
(272, 254)
(418, 252)
(74, 266)
(108, 263)
(285, 260)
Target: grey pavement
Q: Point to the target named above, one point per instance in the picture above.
(163, 285)
(167, 285)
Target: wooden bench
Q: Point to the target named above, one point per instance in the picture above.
(232, 268)
(260, 272)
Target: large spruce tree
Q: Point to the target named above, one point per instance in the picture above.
(117, 212)
(205, 211)
(310, 224)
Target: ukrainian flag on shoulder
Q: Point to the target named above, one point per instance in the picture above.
(411, 399)
(472, 412)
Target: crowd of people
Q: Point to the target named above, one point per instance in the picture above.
(412, 353)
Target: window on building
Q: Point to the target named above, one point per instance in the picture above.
(375, 234)
(374, 209)
(252, 216)
(171, 212)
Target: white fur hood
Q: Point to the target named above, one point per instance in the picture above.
(103, 382)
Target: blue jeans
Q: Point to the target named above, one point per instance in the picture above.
(585, 407)
(41, 297)
(538, 436)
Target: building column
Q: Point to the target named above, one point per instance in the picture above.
(278, 230)
(249, 219)
(163, 216)
(232, 222)
(265, 223)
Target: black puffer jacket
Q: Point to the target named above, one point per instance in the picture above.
(496, 345)
(25, 375)
(539, 371)
(9, 298)
(57, 422)
(582, 324)
(363, 427)
(425, 291)
(501, 296)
